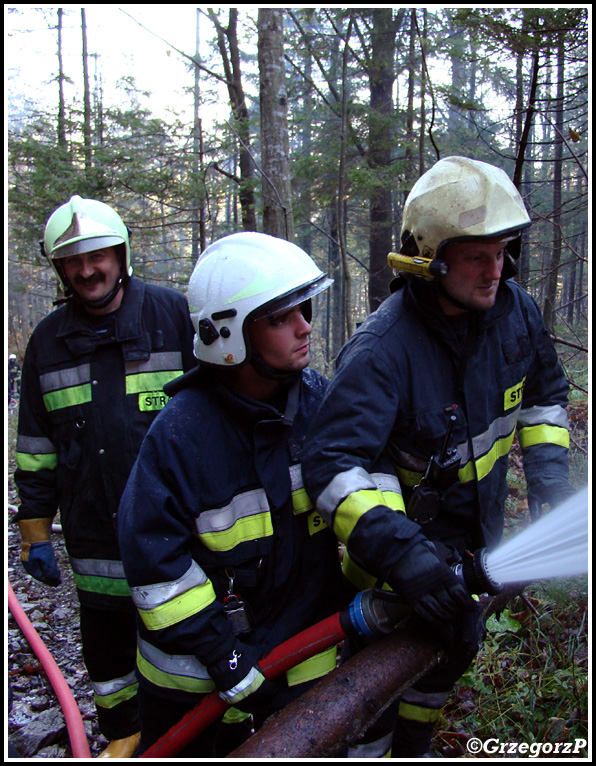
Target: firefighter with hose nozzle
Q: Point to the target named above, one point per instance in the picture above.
(439, 379)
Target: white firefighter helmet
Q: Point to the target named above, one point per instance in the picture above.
(461, 199)
(241, 278)
(81, 226)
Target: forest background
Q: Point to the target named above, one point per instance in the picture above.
(310, 124)
(313, 124)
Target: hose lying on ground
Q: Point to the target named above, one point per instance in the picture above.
(72, 716)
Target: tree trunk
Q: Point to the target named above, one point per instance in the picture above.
(275, 143)
(553, 272)
(87, 131)
(61, 124)
(231, 63)
(381, 79)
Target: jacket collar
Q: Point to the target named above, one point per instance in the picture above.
(76, 325)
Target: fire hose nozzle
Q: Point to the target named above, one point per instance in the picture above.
(474, 572)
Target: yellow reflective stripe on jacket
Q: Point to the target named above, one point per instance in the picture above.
(35, 453)
(180, 672)
(359, 577)
(478, 469)
(529, 436)
(27, 462)
(67, 397)
(150, 381)
(314, 667)
(66, 388)
(353, 508)
(246, 517)
(300, 500)
(165, 604)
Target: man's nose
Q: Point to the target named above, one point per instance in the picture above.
(86, 268)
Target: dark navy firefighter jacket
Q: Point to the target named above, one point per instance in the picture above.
(399, 379)
(215, 505)
(91, 387)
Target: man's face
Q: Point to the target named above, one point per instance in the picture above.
(283, 340)
(92, 275)
(474, 272)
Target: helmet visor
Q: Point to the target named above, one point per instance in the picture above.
(292, 298)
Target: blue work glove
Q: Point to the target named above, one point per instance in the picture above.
(41, 563)
(425, 582)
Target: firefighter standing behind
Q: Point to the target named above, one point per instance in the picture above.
(92, 383)
(224, 553)
(442, 374)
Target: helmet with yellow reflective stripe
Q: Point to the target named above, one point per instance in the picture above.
(457, 200)
(82, 226)
(241, 278)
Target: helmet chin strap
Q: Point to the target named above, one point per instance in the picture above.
(101, 303)
(453, 301)
(266, 371)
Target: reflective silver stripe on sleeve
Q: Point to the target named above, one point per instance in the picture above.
(152, 596)
(35, 445)
(242, 506)
(340, 487)
(386, 482)
(251, 682)
(296, 477)
(554, 415)
(186, 665)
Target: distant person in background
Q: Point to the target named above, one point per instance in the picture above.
(442, 374)
(92, 384)
(14, 372)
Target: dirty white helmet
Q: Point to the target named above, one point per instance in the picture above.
(460, 199)
(80, 226)
(241, 278)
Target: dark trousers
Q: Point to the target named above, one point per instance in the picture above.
(109, 640)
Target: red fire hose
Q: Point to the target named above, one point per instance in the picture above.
(285, 656)
(74, 722)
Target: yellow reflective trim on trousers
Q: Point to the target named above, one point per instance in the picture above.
(67, 397)
(248, 528)
(171, 680)
(315, 667)
(353, 508)
(116, 698)
(109, 586)
(529, 436)
(476, 470)
(138, 383)
(28, 462)
(416, 713)
(179, 608)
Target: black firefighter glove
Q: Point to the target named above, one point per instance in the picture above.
(425, 582)
(241, 683)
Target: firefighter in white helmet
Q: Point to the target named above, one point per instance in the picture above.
(92, 383)
(440, 379)
(225, 555)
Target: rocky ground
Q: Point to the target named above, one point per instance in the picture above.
(36, 725)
